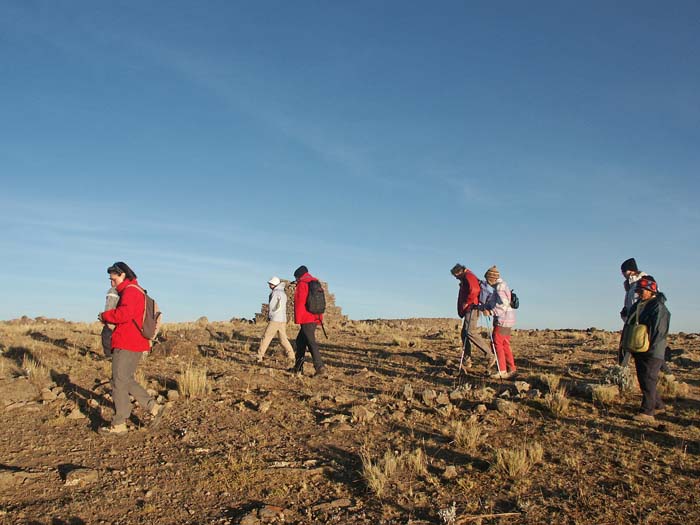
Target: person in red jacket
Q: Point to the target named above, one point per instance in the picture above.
(307, 322)
(128, 345)
(468, 308)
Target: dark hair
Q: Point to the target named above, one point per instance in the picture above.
(122, 267)
(457, 269)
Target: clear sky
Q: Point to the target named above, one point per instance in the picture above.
(211, 145)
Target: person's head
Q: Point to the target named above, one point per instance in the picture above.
(274, 281)
(492, 275)
(629, 267)
(119, 272)
(647, 287)
(300, 271)
(458, 271)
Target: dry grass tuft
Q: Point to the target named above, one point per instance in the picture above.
(193, 381)
(37, 373)
(551, 381)
(604, 394)
(416, 462)
(467, 435)
(378, 474)
(557, 402)
(670, 388)
(516, 463)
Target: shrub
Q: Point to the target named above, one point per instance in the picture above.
(621, 376)
(377, 474)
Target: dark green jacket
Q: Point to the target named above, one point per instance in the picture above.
(656, 317)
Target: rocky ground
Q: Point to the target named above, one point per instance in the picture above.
(394, 435)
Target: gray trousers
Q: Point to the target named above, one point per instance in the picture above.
(471, 335)
(124, 364)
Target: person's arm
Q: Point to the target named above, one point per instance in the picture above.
(275, 303)
(300, 295)
(498, 301)
(659, 320)
(128, 308)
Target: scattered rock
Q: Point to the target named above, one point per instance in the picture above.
(81, 476)
(450, 472)
(48, 396)
(264, 406)
(92, 403)
(361, 414)
(343, 399)
(76, 414)
(505, 394)
(522, 386)
(534, 393)
(408, 392)
(336, 504)
(481, 409)
(508, 408)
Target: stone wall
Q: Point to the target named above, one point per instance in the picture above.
(333, 314)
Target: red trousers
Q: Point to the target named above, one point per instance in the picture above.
(502, 343)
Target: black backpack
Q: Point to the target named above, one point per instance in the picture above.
(316, 300)
(514, 301)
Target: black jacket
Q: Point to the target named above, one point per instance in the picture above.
(656, 317)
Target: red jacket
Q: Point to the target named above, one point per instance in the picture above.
(132, 303)
(301, 314)
(469, 288)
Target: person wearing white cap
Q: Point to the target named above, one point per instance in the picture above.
(277, 315)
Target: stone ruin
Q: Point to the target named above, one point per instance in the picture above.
(333, 313)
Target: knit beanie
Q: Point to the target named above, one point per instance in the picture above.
(648, 283)
(492, 274)
(457, 269)
(300, 271)
(630, 265)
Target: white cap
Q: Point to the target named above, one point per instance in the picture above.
(274, 281)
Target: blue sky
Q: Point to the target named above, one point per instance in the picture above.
(213, 145)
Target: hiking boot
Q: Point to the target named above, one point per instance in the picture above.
(644, 418)
(512, 374)
(114, 429)
(321, 372)
(500, 375)
(295, 372)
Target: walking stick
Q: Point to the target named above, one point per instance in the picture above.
(464, 344)
(493, 344)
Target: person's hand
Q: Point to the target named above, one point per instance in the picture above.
(99, 317)
(487, 312)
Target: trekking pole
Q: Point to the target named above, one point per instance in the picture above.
(464, 345)
(493, 344)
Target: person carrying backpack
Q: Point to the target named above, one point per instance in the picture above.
(306, 290)
(632, 274)
(651, 313)
(128, 346)
(468, 309)
(277, 315)
(498, 304)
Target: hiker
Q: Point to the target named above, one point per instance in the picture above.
(650, 310)
(277, 320)
(467, 308)
(307, 322)
(110, 303)
(497, 304)
(128, 346)
(631, 274)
